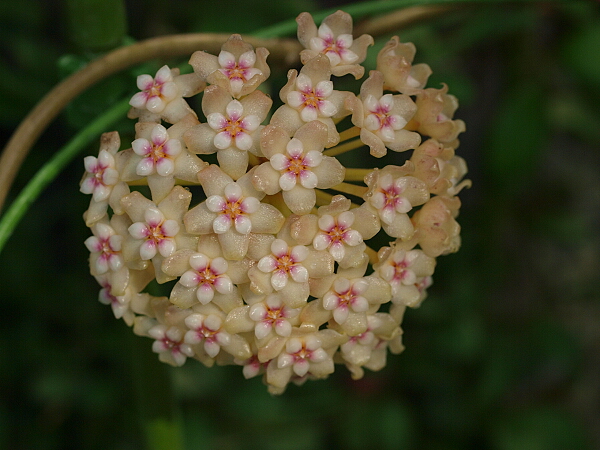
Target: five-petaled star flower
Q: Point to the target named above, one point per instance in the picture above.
(393, 193)
(101, 175)
(299, 354)
(335, 233)
(238, 69)
(334, 39)
(297, 166)
(207, 330)
(155, 92)
(157, 234)
(105, 247)
(405, 270)
(207, 276)
(309, 96)
(232, 129)
(102, 180)
(284, 262)
(158, 153)
(232, 209)
(382, 118)
(169, 344)
(312, 101)
(346, 295)
(272, 315)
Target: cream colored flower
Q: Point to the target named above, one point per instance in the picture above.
(161, 96)
(382, 118)
(438, 231)
(405, 270)
(393, 193)
(310, 96)
(297, 166)
(334, 39)
(394, 61)
(440, 168)
(233, 211)
(435, 109)
(102, 180)
(339, 230)
(160, 155)
(157, 230)
(232, 129)
(238, 69)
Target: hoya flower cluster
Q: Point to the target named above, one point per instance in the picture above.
(272, 267)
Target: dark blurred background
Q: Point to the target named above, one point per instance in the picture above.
(504, 354)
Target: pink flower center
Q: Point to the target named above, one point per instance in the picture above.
(233, 208)
(392, 196)
(106, 250)
(170, 345)
(285, 263)
(207, 276)
(234, 127)
(156, 152)
(204, 333)
(381, 112)
(332, 45)
(400, 270)
(311, 99)
(297, 164)
(236, 72)
(346, 297)
(272, 315)
(301, 354)
(336, 234)
(99, 175)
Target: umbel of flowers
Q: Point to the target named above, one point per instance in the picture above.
(273, 268)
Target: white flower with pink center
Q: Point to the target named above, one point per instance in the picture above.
(337, 48)
(156, 92)
(101, 175)
(272, 315)
(156, 232)
(312, 102)
(207, 330)
(365, 339)
(299, 353)
(118, 303)
(296, 166)
(397, 269)
(207, 276)
(388, 199)
(346, 295)
(358, 349)
(335, 233)
(235, 129)
(233, 209)
(105, 247)
(379, 120)
(158, 154)
(239, 71)
(284, 262)
(169, 344)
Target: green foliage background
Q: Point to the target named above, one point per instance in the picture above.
(505, 352)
